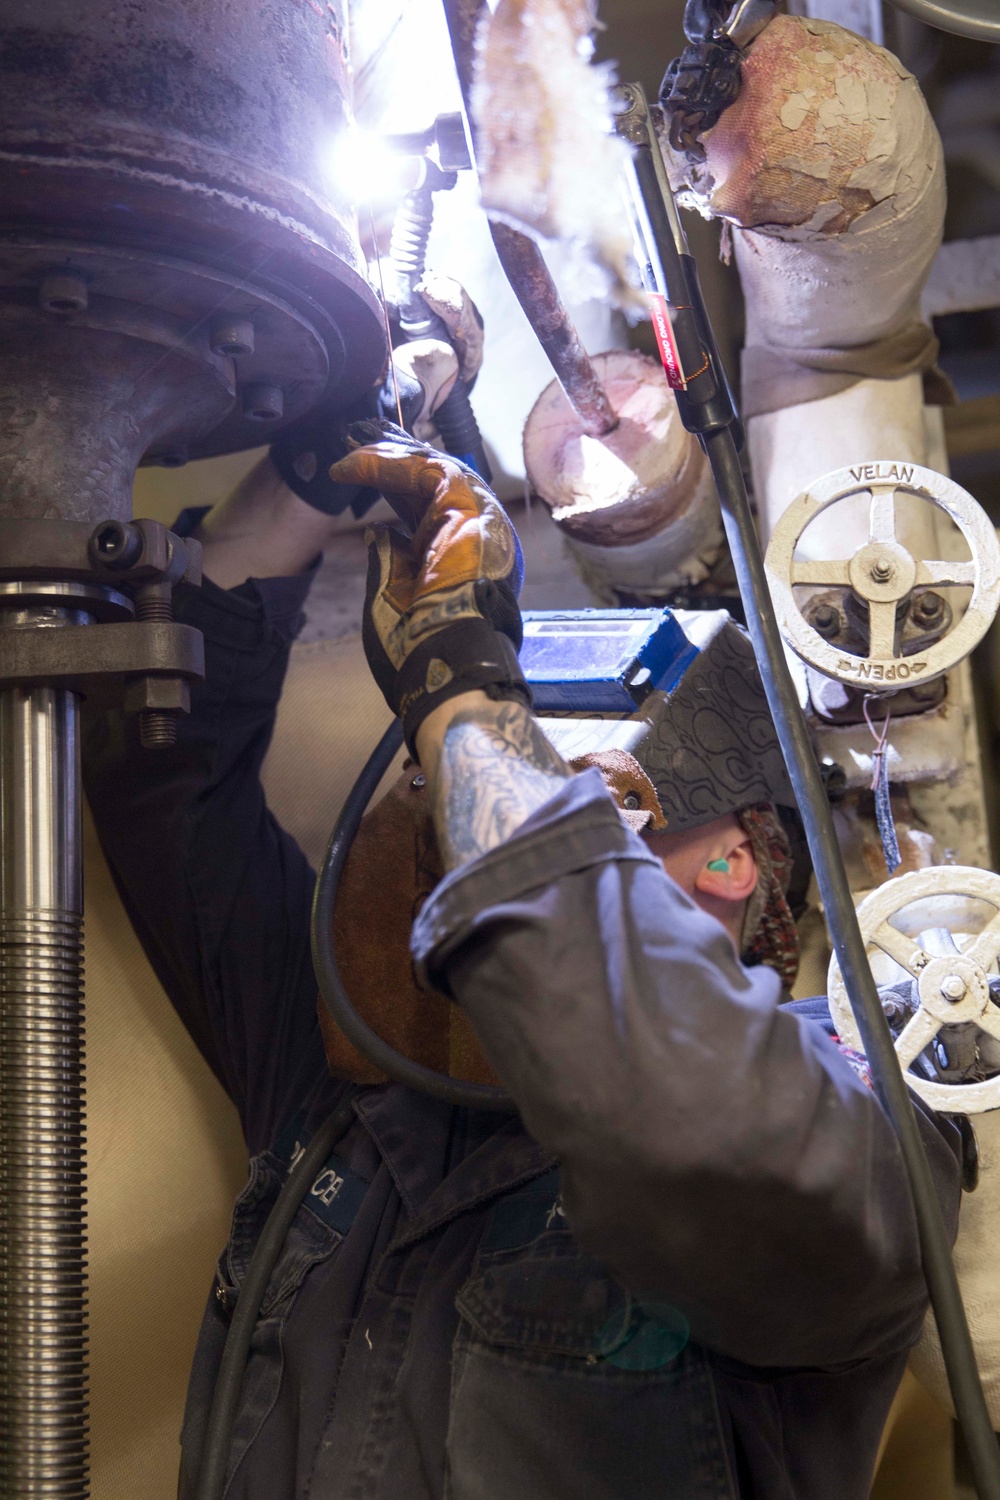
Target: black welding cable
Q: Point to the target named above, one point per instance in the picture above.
(229, 1383)
(939, 1270)
(331, 986)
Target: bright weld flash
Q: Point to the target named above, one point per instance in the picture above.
(361, 165)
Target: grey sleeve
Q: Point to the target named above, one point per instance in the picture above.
(718, 1152)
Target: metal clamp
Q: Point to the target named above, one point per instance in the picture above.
(110, 572)
(119, 553)
(952, 987)
(882, 575)
(99, 660)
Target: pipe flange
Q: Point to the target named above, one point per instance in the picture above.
(883, 573)
(953, 989)
(243, 336)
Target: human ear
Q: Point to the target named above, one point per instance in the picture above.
(731, 875)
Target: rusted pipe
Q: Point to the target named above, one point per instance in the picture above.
(525, 268)
(538, 294)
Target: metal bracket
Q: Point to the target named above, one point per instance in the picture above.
(119, 553)
(98, 661)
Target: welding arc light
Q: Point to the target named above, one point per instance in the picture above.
(365, 167)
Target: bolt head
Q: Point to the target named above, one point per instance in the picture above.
(953, 987)
(231, 337)
(263, 403)
(115, 544)
(881, 570)
(63, 292)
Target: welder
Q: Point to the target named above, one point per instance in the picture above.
(689, 1265)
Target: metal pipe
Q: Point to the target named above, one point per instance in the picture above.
(43, 1278)
(532, 285)
(525, 268)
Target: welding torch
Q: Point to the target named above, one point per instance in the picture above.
(443, 151)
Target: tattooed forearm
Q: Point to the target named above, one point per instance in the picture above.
(490, 770)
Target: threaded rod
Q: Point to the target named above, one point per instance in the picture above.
(43, 1279)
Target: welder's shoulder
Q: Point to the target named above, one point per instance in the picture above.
(945, 1141)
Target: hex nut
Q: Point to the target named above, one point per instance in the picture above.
(160, 694)
(929, 606)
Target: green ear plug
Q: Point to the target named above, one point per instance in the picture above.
(720, 866)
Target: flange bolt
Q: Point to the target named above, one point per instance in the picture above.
(263, 403)
(115, 544)
(928, 608)
(158, 720)
(63, 292)
(231, 336)
(953, 988)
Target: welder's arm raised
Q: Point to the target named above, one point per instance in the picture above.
(718, 1152)
(488, 768)
(218, 893)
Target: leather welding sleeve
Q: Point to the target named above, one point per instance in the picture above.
(719, 1153)
(218, 893)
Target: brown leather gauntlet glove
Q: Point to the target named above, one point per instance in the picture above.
(441, 613)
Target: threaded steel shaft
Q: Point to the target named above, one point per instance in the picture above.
(157, 728)
(43, 1308)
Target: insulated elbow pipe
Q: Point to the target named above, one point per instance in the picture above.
(829, 170)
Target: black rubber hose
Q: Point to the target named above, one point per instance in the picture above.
(378, 1052)
(456, 421)
(229, 1383)
(890, 1085)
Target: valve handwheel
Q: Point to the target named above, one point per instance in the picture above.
(953, 989)
(883, 573)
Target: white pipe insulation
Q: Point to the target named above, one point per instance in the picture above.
(829, 169)
(637, 506)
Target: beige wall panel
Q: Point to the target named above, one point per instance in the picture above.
(166, 1159)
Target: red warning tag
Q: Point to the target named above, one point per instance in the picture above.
(665, 340)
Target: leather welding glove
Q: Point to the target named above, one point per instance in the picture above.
(441, 613)
(461, 318)
(423, 374)
(303, 453)
(436, 363)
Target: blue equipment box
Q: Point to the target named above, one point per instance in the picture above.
(602, 660)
